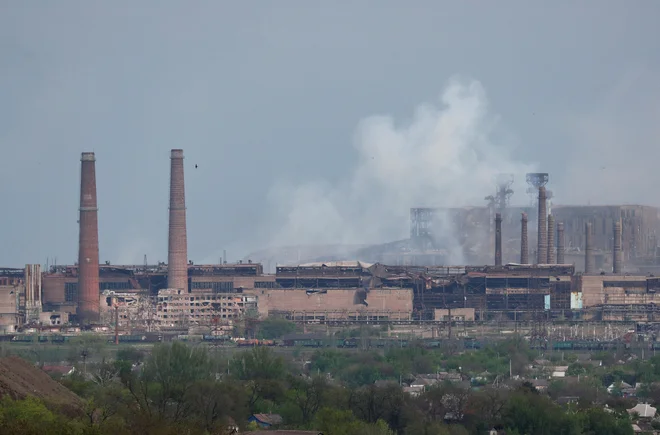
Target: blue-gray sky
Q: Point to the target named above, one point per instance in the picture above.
(270, 100)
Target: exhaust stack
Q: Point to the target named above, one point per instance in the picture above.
(552, 258)
(524, 247)
(560, 243)
(542, 257)
(618, 252)
(88, 249)
(498, 239)
(177, 255)
(589, 260)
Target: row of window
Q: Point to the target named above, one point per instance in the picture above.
(226, 286)
(71, 288)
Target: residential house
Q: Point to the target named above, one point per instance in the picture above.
(266, 420)
(541, 385)
(414, 391)
(284, 432)
(643, 410)
(559, 371)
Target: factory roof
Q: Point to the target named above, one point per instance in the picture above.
(354, 263)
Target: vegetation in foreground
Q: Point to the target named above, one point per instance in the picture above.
(183, 389)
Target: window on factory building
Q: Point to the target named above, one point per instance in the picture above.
(71, 292)
(265, 284)
(115, 285)
(215, 286)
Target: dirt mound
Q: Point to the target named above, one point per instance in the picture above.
(19, 379)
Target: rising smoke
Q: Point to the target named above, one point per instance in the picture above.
(445, 156)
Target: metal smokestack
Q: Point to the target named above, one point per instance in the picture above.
(88, 248)
(552, 258)
(177, 255)
(589, 260)
(498, 239)
(560, 243)
(524, 247)
(617, 256)
(542, 229)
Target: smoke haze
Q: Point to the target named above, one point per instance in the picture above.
(446, 155)
(268, 93)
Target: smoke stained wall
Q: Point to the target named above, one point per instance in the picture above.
(177, 256)
(88, 249)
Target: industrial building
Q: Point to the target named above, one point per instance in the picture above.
(578, 262)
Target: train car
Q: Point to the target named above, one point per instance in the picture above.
(24, 338)
(131, 338)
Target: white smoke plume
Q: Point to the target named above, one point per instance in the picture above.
(447, 155)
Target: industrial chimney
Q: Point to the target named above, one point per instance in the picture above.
(88, 249)
(589, 260)
(177, 255)
(618, 252)
(560, 243)
(524, 248)
(542, 228)
(552, 258)
(498, 239)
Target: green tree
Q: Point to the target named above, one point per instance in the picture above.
(597, 421)
(262, 372)
(168, 376)
(273, 327)
(31, 417)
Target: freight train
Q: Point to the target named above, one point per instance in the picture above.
(342, 343)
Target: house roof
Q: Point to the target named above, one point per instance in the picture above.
(644, 410)
(271, 419)
(284, 432)
(539, 382)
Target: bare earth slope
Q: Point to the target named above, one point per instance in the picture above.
(19, 379)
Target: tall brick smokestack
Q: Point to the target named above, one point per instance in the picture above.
(88, 248)
(552, 258)
(560, 243)
(177, 255)
(524, 247)
(542, 251)
(589, 260)
(617, 256)
(498, 239)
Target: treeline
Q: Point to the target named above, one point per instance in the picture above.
(180, 389)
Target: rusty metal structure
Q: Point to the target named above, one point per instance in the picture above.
(552, 252)
(589, 259)
(524, 244)
(561, 247)
(498, 239)
(177, 255)
(88, 250)
(617, 257)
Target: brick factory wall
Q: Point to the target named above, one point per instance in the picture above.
(594, 291)
(53, 288)
(9, 308)
(459, 314)
(334, 300)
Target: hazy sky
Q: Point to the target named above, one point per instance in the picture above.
(275, 103)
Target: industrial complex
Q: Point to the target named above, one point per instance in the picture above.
(557, 263)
